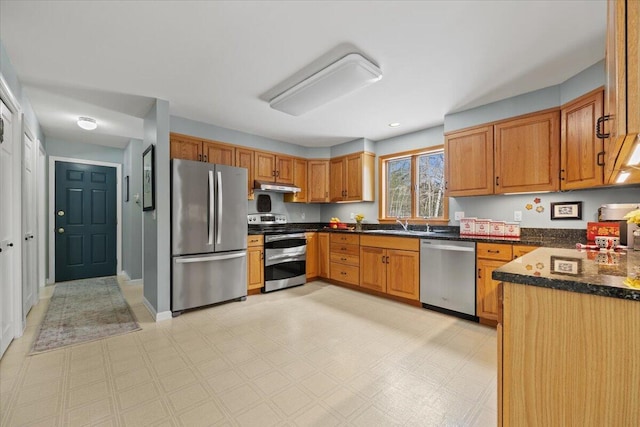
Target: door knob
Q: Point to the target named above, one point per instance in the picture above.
(60, 230)
(60, 213)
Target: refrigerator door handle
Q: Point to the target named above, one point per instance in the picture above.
(211, 258)
(219, 226)
(210, 215)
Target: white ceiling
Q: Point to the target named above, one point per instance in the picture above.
(217, 62)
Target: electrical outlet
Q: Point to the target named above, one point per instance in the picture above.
(458, 216)
(352, 215)
(517, 216)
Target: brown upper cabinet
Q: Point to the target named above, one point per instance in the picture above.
(511, 156)
(300, 181)
(318, 176)
(352, 178)
(622, 89)
(469, 162)
(201, 150)
(271, 167)
(245, 159)
(527, 152)
(581, 151)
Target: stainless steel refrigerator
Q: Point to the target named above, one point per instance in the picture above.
(208, 234)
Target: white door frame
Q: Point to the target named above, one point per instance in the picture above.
(14, 106)
(29, 216)
(52, 208)
(42, 214)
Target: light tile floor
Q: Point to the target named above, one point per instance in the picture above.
(316, 355)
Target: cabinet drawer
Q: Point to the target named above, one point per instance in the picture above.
(345, 249)
(255, 240)
(345, 273)
(389, 242)
(345, 258)
(520, 250)
(494, 251)
(351, 239)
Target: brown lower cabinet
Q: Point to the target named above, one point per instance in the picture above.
(567, 359)
(344, 256)
(491, 256)
(255, 263)
(323, 255)
(312, 255)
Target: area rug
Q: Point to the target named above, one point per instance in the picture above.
(84, 310)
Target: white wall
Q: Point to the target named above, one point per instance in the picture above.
(132, 211)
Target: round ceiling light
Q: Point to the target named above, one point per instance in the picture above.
(87, 123)
(394, 125)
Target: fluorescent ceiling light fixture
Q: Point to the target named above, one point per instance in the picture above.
(87, 123)
(635, 156)
(622, 177)
(346, 75)
(394, 125)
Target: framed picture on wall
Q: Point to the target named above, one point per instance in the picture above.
(566, 210)
(148, 179)
(126, 188)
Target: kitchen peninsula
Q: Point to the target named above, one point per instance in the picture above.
(568, 341)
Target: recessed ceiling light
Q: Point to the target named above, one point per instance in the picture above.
(394, 125)
(87, 123)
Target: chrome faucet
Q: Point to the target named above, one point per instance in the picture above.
(427, 224)
(404, 224)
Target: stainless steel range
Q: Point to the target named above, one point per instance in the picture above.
(285, 252)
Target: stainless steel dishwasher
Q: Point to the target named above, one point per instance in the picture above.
(447, 277)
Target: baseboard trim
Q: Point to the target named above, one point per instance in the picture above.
(159, 317)
(135, 282)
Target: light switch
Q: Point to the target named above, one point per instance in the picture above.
(517, 216)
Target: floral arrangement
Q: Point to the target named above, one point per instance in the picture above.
(633, 217)
(359, 217)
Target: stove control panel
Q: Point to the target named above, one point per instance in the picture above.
(266, 219)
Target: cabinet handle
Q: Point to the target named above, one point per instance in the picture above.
(387, 261)
(382, 259)
(492, 251)
(446, 185)
(343, 249)
(273, 173)
(205, 157)
(561, 174)
(599, 123)
(343, 259)
(277, 173)
(600, 161)
(261, 255)
(497, 181)
(199, 157)
(479, 273)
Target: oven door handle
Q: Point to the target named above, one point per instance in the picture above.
(277, 237)
(284, 258)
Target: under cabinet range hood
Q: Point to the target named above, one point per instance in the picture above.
(275, 187)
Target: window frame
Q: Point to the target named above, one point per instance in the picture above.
(382, 190)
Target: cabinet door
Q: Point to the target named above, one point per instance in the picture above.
(318, 173)
(185, 148)
(265, 166)
(581, 152)
(487, 290)
(373, 274)
(323, 255)
(220, 154)
(299, 180)
(403, 274)
(255, 267)
(353, 175)
(469, 162)
(527, 154)
(284, 170)
(244, 159)
(312, 255)
(336, 180)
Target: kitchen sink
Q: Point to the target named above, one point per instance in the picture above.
(408, 232)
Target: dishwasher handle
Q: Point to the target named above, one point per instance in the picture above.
(449, 248)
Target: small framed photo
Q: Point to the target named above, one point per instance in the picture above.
(126, 188)
(566, 210)
(565, 265)
(148, 179)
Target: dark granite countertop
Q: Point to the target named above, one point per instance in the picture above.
(589, 272)
(556, 238)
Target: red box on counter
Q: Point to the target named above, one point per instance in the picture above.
(594, 229)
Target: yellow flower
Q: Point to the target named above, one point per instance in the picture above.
(633, 217)
(359, 217)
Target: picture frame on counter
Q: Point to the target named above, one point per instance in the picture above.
(148, 179)
(566, 210)
(566, 266)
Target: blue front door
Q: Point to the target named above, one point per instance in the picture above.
(85, 221)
